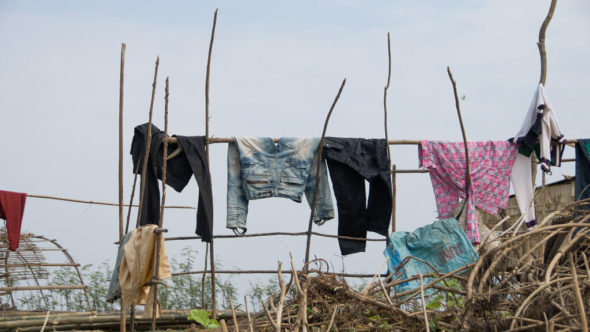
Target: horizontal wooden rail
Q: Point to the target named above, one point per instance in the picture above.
(38, 264)
(214, 140)
(100, 203)
(398, 171)
(274, 234)
(351, 275)
(26, 288)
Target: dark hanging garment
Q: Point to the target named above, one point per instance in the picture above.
(179, 170)
(351, 161)
(150, 211)
(582, 183)
(12, 208)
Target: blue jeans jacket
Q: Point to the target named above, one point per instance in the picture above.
(259, 168)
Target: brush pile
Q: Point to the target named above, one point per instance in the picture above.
(538, 279)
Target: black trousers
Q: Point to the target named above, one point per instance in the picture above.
(582, 183)
(351, 161)
(179, 170)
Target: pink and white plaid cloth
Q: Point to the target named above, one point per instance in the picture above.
(490, 166)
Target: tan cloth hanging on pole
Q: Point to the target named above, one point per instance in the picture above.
(137, 268)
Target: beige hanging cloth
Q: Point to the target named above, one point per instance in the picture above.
(137, 268)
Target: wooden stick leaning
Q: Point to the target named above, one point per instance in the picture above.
(161, 220)
(211, 253)
(147, 146)
(467, 171)
(317, 178)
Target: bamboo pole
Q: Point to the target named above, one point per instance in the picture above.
(161, 221)
(317, 178)
(121, 81)
(213, 292)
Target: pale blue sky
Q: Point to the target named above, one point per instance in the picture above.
(275, 71)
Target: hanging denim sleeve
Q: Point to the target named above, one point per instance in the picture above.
(324, 208)
(237, 203)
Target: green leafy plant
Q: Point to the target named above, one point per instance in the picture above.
(202, 317)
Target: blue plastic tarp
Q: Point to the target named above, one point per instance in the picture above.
(443, 244)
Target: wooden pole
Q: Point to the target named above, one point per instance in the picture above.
(121, 81)
(203, 304)
(161, 221)
(394, 172)
(317, 178)
(543, 79)
(142, 186)
(212, 254)
(541, 43)
(391, 176)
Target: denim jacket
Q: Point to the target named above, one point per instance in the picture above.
(260, 168)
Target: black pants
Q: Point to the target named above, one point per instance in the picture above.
(191, 162)
(582, 183)
(351, 161)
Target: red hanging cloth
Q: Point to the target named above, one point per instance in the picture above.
(12, 208)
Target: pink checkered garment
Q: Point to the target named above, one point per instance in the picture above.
(490, 164)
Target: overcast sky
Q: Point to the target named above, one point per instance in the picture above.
(275, 70)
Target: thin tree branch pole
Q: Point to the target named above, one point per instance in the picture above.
(579, 300)
(121, 81)
(161, 221)
(131, 198)
(467, 171)
(212, 255)
(391, 177)
(101, 203)
(541, 43)
(317, 178)
(147, 145)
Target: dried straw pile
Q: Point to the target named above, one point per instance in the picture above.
(501, 291)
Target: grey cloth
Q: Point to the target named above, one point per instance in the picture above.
(114, 291)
